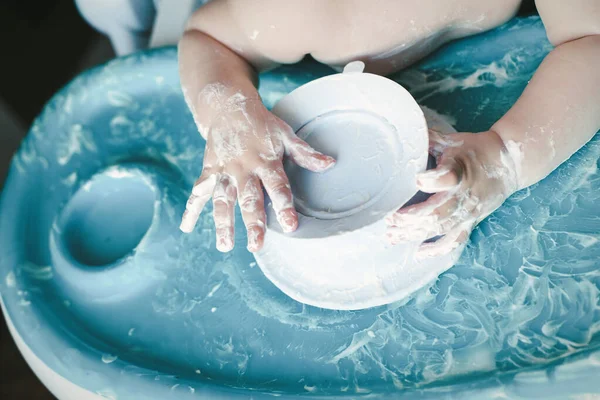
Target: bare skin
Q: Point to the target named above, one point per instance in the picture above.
(228, 41)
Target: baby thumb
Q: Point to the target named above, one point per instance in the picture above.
(440, 179)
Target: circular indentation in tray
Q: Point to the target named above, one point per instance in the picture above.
(365, 147)
(105, 239)
(107, 218)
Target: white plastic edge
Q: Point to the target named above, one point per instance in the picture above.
(60, 387)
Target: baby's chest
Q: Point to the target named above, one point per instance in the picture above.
(390, 35)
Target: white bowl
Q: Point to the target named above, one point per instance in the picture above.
(339, 257)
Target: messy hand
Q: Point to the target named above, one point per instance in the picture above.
(473, 177)
(244, 151)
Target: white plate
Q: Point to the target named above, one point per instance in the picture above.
(339, 257)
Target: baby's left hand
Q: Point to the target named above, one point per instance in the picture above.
(473, 177)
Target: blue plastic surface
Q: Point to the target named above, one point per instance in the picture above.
(104, 289)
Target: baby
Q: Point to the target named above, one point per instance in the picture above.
(227, 42)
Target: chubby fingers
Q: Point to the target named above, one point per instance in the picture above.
(453, 240)
(445, 213)
(201, 193)
(423, 221)
(434, 216)
(305, 156)
(278, 188)
(252, 206)
(439, 142)
(224, 197)
(445, 177)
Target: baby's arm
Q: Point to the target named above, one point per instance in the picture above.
(205, 61)
(559, 111)
(245, 143)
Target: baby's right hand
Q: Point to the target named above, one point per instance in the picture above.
(244, 150)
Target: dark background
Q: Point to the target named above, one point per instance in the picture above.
(43, 45)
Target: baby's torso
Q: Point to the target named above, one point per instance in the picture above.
(388, 34)
(396, 33)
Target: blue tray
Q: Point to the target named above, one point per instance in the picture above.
(110, 298)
